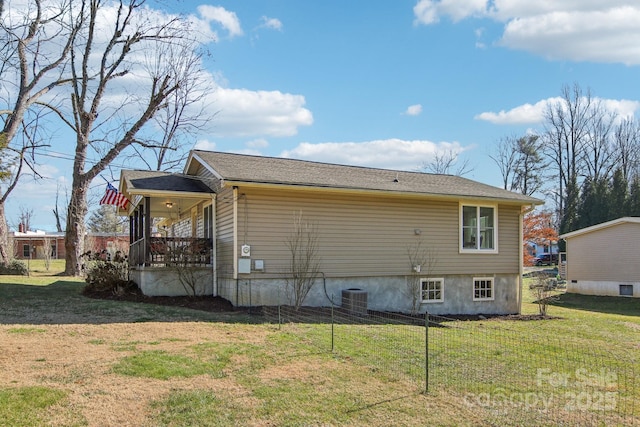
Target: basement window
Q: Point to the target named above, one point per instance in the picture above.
(626, 290)
(432, 290)
(483, 289)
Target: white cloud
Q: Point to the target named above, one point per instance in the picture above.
(577, 30)
(522, 114)
(228, 20)
(258, 143)
(389, 153)
(534, 114)
(413, 110)
(270, 23)
(429, 11)
(205, 145)
(608, 36)
(244, 112)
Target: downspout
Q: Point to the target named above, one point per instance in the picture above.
(521, 254)
(214, 244)
(235, 239)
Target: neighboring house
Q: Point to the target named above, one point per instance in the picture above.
(34, 244)
(233, 214)
(536, 249)
(604, 259)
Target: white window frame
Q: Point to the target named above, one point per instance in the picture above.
(492, 288)
(207, 221)
(423, 280)
(477, 249)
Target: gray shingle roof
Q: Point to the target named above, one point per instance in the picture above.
(139, 181)
(276, 170)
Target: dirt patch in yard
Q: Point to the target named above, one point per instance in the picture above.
(79, 360)
(56, 338)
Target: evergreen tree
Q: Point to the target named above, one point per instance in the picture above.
(600, 210)
(633, 201)
(618, 196)
(105, 220)
(587, 200)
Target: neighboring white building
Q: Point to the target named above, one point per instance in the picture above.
(604, 259)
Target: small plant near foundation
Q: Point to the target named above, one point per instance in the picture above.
(542, 289)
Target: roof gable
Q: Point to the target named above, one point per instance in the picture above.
(602, 226)
(239, 168)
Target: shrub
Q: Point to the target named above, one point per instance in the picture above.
(106, 274)
(14, 267)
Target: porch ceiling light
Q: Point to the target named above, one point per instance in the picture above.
(169, 205)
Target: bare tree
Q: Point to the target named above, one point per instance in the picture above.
(598, 156)
(190, 278)
(626, 143)
(304, 265)
(521, 163)
(110, 59)
(506, 157)
(542, 289)
(25, 217)
(56, 212)
(444, 162)
(47, 252)
(567, 125)
(32, 57)
(185, 113)
(422, 261)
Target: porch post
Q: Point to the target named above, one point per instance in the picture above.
(131, 229)
(147, 230)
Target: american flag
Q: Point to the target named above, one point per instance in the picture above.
(112, 197)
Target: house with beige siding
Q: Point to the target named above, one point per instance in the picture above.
(233, 216)
(604, 259)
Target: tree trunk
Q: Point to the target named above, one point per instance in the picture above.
(5, 251)
(74, 236)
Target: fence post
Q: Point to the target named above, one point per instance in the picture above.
(279, 319)
(426, 351)
(332, 328)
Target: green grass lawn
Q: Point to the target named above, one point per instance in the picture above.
(478, 370)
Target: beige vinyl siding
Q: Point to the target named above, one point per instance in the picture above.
(224, 232)
(202, 171)
(367, 235)
(605, 255)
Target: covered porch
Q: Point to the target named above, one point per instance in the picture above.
(171, 232)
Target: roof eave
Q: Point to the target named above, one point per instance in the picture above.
(596, 227)
(353, 190)
(183, 194)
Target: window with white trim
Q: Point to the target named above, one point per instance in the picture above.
(432, 290)
(26, 250)
(483, 289)
(208, 221)
(478, 231)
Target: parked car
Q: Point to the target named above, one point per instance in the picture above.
(546, 258)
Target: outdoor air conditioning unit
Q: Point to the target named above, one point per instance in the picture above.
(354, 300)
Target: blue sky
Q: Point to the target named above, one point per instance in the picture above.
(390, 83)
